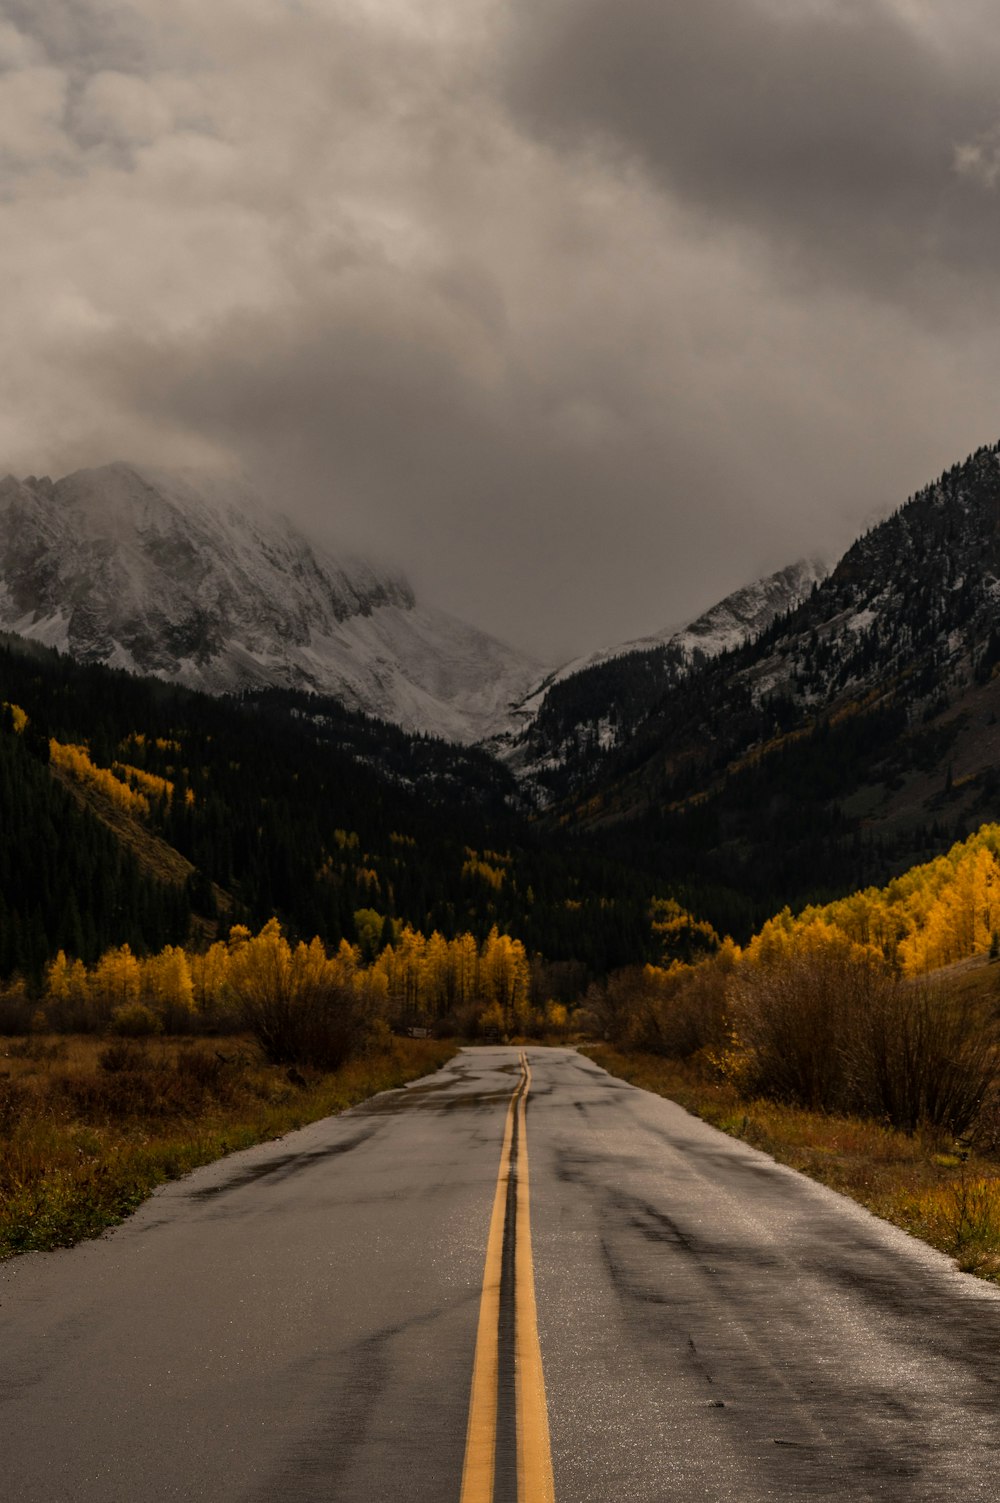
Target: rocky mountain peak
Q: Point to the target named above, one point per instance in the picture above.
(194, 578)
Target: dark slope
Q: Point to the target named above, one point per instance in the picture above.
(858, 733)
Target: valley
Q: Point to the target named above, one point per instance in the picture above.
(499, 752)
(752, 866)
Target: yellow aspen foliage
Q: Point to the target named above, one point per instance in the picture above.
(17, 715)
(168, 987)
(474, 868)
(347, 960)
(210, 979)
(115, 981)
(556, 1017)
(505, 976)
(933, 915)
(57, 976)
(682, 937)
(416, 980)
(464, 956)
(75, 760)
(149, 783)
(438, 974)
(492, 1020)
(368, 923)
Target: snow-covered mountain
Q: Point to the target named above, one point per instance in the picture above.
(193, 579)
(594, 703)
(745, 613)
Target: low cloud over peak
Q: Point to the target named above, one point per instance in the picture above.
(589, 312)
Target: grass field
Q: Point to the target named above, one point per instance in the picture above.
(89, 1127)
(929, 1186)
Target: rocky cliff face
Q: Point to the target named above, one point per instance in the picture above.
(193, 579)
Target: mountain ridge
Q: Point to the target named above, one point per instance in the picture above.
(904, 628)
(195, 581)
(582, 712)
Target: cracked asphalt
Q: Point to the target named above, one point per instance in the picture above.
(299, 1321)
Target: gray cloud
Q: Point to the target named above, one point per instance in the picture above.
(82, 36)
(831, 130)
(586, 313)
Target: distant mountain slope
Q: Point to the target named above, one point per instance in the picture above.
(580, 713)
(854, 735)
(192, 579)
(745, 613)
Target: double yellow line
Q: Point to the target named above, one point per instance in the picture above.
(534, 1456)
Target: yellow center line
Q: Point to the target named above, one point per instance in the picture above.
(534, 1461)
(534, 1453)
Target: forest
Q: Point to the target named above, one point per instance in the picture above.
(136, 812)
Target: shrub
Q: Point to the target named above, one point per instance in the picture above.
(677, 1012)
(122, 1054)
(295, 1002)
(16, 1008)
(924, 1059)
(831, 1028)
(136, 1021)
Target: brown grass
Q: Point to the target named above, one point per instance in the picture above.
(90, 1127)
(928, 1185)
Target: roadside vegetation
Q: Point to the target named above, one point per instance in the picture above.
(816, 1049)
(829, 1040)
(90, 1125)
(118, 1076)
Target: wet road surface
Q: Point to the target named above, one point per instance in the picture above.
(308, 1320)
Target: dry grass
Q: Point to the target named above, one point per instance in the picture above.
(926, 1184)
(90, 1127)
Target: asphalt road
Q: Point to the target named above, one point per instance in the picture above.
(302, 1320)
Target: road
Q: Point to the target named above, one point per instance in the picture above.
(629, 1304)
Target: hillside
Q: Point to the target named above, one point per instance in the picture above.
(278, 803)
(200, 581)
(567, 727)
(855, 736)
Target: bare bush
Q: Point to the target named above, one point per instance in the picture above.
(16, 1008)
(794, 1019)
(832, 1029)
(677, 1012)
(925, 1059)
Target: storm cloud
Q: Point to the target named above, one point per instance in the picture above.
(586, 312)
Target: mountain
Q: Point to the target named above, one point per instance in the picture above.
(747, 612)
(580, 713)
(855, 736)
(192, 579)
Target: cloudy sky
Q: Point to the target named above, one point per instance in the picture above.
(586, 310)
